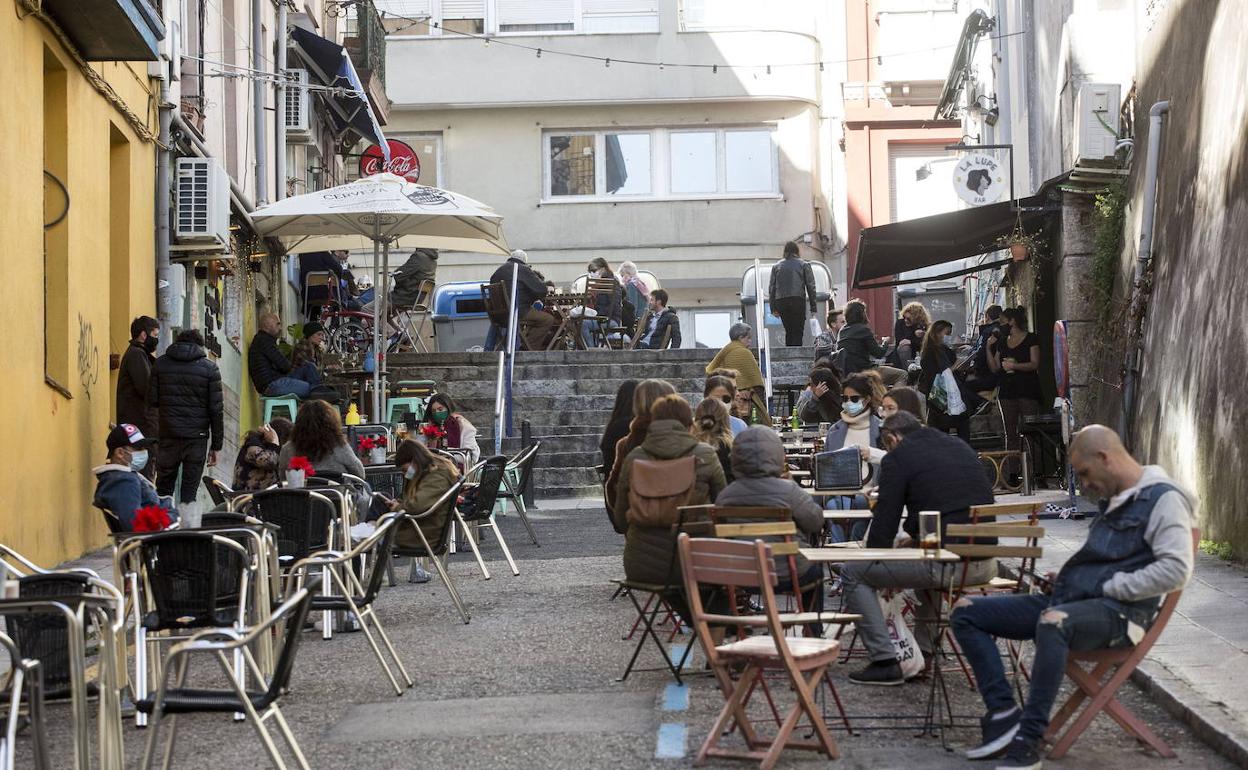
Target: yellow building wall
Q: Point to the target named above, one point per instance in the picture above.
(103, 277)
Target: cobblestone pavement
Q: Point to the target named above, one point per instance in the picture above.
(530, 683)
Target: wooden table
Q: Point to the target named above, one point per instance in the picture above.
(846, 555)
(569, 326)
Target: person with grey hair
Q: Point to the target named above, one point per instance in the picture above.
(529, 289)
(737, 355)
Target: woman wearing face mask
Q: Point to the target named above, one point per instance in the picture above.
(120, 485)
(859, 426)
(934, 359)
(427, 476)
(1014, 354)
(460, 434)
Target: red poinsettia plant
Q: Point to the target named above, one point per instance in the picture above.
(301, 463)
(372, 442)
(429, 430)
(151, 518)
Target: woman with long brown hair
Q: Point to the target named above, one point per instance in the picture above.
(710, 426)
(318, 436)
(935, 358)
(427, 476)
(647, 392)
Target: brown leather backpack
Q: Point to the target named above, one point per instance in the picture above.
(657, 488)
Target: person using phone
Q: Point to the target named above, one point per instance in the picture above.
(256, 465)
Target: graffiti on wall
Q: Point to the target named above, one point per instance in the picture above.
(88, 355)
(212, 317)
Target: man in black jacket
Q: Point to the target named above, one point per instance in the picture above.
(924, 470)
(529, 289)
(271, 372)
(792, 285)
(132, 377)
(185, 388)
(662, 318)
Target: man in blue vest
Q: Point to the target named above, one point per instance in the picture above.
(1139, 548)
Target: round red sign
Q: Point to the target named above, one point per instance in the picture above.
(403, 161)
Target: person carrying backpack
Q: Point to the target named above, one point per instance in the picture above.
(670, 469)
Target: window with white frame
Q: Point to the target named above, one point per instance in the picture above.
(660, 163)
(452, 18)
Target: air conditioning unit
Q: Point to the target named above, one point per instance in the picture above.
(202, 202)
(298, 107)
(1097, 121)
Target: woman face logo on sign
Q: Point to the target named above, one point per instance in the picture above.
(979, 179)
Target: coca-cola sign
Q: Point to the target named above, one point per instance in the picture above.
(403, 161)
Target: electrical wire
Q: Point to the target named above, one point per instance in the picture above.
(715, 67)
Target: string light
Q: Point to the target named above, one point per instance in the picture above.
(539, 53)
(713, 67)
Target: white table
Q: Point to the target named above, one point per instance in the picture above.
(851, 514)
(846, 555)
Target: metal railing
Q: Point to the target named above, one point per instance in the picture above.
(367, 44)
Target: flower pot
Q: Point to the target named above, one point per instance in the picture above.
(295, 479)
(1018, 251)
(377, 456)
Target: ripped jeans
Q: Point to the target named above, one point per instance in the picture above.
(1090, 624)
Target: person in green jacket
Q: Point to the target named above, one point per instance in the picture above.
(428, 476)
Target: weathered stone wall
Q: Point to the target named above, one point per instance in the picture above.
(1074, 303)
(1191, 415)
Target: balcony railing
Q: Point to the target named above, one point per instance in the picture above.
(366, 42)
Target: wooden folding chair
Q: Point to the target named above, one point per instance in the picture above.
(1110, 669)
(640, 331)
(716, 562)
(410, 321)
(498, 308)
(594, 287)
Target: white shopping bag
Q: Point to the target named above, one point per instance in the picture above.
(813, 328)
(956, 405)
(908, 653)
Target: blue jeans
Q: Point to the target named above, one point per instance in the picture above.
(491, 338)
(1091, 624)
(836, 531)
(587, 332)
(299, 382)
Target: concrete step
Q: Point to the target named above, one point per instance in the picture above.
(703, 355)
(554, 493)
(552, 477)
(522, 388)
(450, 377)
(534, 408)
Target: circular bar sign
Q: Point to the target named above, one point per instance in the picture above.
(979, 178)
(403, 161)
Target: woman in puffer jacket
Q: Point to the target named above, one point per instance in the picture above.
(649, 552)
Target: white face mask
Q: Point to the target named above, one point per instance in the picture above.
(138, 459)
(410, 473)
(853, 408)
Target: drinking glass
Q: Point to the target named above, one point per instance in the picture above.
(929, 533)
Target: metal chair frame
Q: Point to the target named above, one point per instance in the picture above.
(438, 555)
(24, 685)
(515, 479)
(222, 642)
(410, 329)
(483, 516)
(353, 594)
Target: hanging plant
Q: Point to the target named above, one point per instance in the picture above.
(1020, 243)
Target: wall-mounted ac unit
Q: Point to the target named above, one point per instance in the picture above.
(298, 107)
(202, 202)
(1097, 121)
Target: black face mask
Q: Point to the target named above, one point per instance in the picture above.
(150, 343)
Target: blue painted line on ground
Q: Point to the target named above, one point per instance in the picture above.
(676, 697)
(671, 743)
(677, 651)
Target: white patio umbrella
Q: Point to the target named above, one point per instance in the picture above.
(384, 211)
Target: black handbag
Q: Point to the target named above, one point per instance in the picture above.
(841, 469)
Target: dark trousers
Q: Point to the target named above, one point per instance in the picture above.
(1013, 410)
(792, 312)
(188, 455)
(944, 422)
(1090, 624)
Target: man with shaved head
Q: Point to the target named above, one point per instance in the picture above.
(271, 372)
(1139, 548)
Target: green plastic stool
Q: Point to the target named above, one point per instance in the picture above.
(289, 402)
(397, 407)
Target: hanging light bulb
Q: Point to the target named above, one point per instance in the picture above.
(714, 68)
(487, 42)
(608, 62)
(660, 65)
(821, 66)
(768, 69)
(539, 53)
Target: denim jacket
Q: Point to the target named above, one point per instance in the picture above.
(1115, 544)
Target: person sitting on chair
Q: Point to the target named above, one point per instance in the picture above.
(120, 484)
(1138, 549)
(529, 289)
(924, 470)
(256, 466)
(271, 372)
(662, 318)
(458, 432)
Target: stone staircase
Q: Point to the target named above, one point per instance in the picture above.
(566, 396)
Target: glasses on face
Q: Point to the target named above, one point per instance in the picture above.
(726, 399)
(850, 399)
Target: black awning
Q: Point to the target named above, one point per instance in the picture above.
(888, 250)
(329, 65)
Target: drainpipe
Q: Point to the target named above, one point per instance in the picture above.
(279, 148)
(257, 90)
(164, 151)
(1135, 347)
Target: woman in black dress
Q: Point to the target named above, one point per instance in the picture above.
(1014, 354)
(934, 359)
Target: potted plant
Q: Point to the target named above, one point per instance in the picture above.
(432, 435)
(373, 448)
(1020, 243)
(298, 471)
(151, 518)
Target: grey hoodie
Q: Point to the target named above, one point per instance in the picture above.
(1168, 534)
(757, 461)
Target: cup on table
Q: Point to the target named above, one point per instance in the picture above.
(929, 532)
(824, 427)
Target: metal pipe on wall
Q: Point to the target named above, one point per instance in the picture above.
(279, 143)
(164, 153)
(1135, 338)
(257, 106)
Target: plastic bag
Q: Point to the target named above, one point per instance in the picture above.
(909, 656)
(813, 328)
(953, 397)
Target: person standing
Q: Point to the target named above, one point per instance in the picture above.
(132, 377)
(857, 348)
(736, 355)
(934, 358)
(792, 286)
(908, 331)
(185, 388)
(1014, 355)
(1138, 549)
